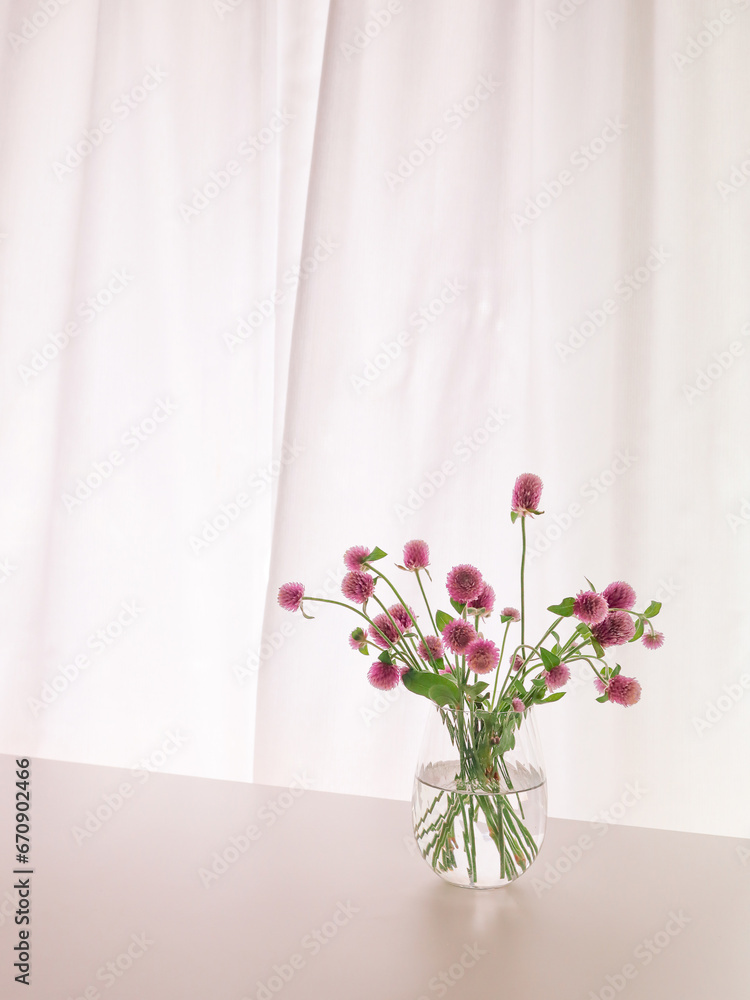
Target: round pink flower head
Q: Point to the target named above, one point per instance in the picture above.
(617, 628)
(557, 677)
(527, 494)
(416, 555)
(624, 690)
(513, 613)
(518, 705)
(384, 676)
(482, 656)
(433, 644)
(464, 583)
(517, 662)
(485, 600)
(653, 640)
(590, 608)
(619, 595)
(357, 586)
(354, 558)
(382, 623)
(358, 639)
(401, 616)
(290, 596)
(458, 634)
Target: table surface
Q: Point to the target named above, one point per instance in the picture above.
(147, 886)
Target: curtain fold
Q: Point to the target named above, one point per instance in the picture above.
(278, 278)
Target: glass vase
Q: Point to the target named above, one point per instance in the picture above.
(479, 804)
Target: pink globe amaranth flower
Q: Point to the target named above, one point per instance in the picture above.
(624, 691)
(518, 705)
(458, 634)
(464, 583)
(619, 595)
(513, 613)
(653, 640)
(484, 601)
(358, 639)
(435, 646)
(590, 608)
(384, 676)
(527, 494)
(482, 656)
(516, 662)
(290, 596)
(382, 623)
(357, 586)
(416, 555)
(354, 558)
(557, 677)
(618, 627)
(403, 618)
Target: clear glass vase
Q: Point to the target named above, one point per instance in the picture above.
(479, 804)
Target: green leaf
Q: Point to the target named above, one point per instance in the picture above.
(376, 554)
(514, 515)
(506, 618)
(553, 697)
(507, 740)
(638, 631)
(441, 620)
(583, 629)
(437, 688)
(653, 609)
(364, 650)
(476, 689)
(385, 656)
(616, 671)
(564, 609)
(590, 583)
(603, 698)
(419, 681)
(549, 659)
(460, 608)
(443, 696)
(597, 648)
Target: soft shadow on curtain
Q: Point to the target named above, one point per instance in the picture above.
(155, 161)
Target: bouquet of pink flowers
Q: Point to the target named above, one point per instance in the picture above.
(448, 661)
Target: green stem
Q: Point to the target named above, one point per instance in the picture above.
(510, 668)
(382, 576)
(410, 654)
(588, 660)
(328, 600)
(427, 604)
(523, 568)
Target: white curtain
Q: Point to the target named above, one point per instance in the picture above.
(353, 268)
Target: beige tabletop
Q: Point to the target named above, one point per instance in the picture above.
(146, 886)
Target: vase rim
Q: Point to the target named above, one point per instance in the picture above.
(468, 711)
